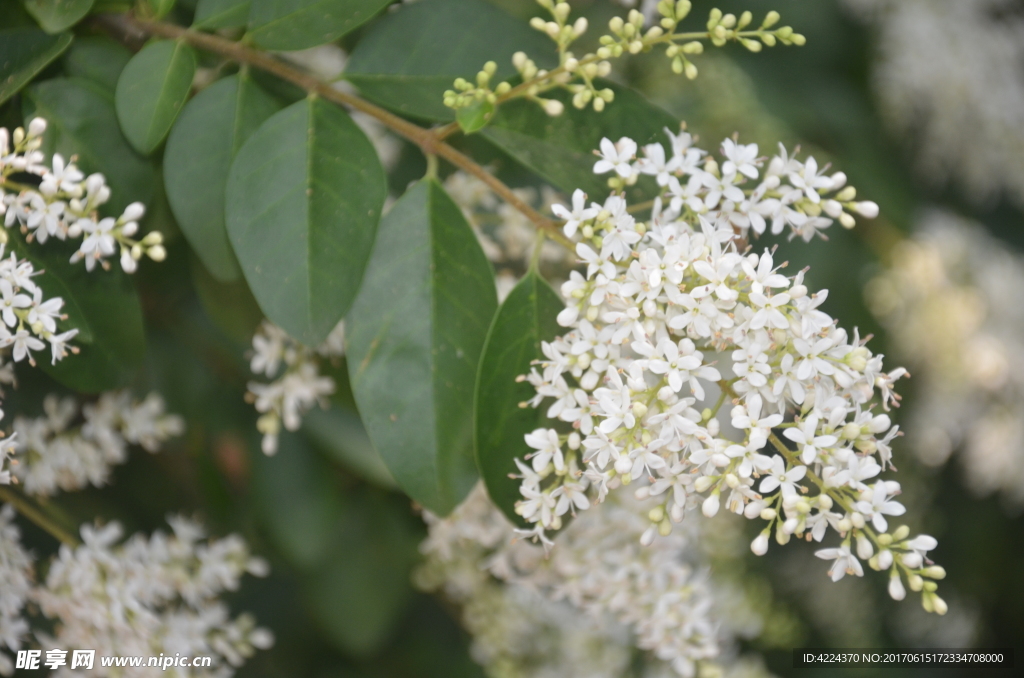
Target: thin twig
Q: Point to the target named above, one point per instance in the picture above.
(424, 138)
(30, 511)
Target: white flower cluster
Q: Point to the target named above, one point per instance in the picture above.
(28, 318)
(949, 78)
(16, 575)
(944, 304)
(54, 456)
(151, 595)
(300, 385)
(579, 610)
(65, 203)
(671, 322)
(740, 191)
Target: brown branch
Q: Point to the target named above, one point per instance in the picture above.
(426, 139)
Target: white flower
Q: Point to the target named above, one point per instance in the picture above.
(616, 157)
(845, 562)
(579, 213)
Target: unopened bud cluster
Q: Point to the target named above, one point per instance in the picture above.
(61, 202)
(626, 36)
(675, 326)
(296, 388)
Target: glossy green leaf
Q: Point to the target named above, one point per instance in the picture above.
(103, 306)
(97, 58)
(214, 14)
(411, 56)
(359, 594)
(299, 503)
(58, 15)
(560, 149)
(525, 319)
(82, 122)
(475, 117)
(301, 24)
(304, 196)
(339, 433)
(230, 305)
(209, 133)
(151, 91)
(414, 339)
(24, 52)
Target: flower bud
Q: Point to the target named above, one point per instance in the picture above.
(911, 560)
(710, 506)
(36, 127)
(896, 590)
(884, 559)
(157, 253)
(128, 263)
(656, 514)
(847, 221)
(760, 544)
(553, 107)
(866, 208)
(857, 520)
(623, 465)
(935, 572)
(580, 27)
(768, 514)
(915, 582)
(864, 548)
(703, 483)
(901, 533)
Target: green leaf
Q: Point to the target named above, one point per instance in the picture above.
(298, 501)
(151, 91)
(214, 14)
(229, 305)
(339, 433)
(304, 196)
(58, 15)
(24, 52)
(103, 306)
(414, 339)
(359, 594)
(411, 56)
(525, 319)
(82, 122)
(98, 59)
(560, 149)
(212, 128)
(474, 117)
(301, 24)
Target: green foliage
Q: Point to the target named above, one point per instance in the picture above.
(415, 335)
(524, 319)
(339, 433)
(301, 24)
(104, 307)
(200, 148)
(409, 58)
(363, 588)
(24, 52)
(304, 195)
(58, 15)
(214, 14)
(82, 122)
(151, 91)
(560, 149)
(98, 59)
(299, 502)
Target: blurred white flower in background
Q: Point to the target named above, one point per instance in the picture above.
(950, 77)
(949, 302)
